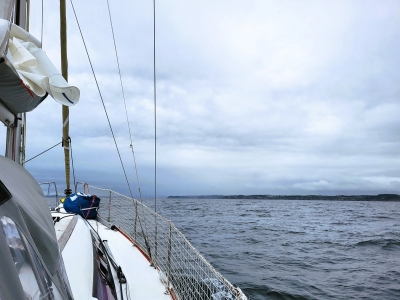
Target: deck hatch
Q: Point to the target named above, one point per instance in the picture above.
(4, 193)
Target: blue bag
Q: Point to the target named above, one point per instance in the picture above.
(85, 205)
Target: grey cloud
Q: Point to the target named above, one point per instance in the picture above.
(262, 97)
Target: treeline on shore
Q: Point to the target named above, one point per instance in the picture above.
(380, 197)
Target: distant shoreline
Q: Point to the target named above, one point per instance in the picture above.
(380, 197)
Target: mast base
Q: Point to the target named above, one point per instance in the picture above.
(67, 192)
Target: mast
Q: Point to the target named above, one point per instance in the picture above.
(14, 148)
(65, 109)
(23, 133)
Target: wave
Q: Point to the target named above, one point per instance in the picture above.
(263, 215)
(384, 217)
(256, 292)
(340, 223)
(258, 210)
(295, 232)
(384, 243)
(349, 252)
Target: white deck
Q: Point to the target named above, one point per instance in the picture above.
(143, 280)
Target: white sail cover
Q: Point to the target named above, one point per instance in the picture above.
(34, 68)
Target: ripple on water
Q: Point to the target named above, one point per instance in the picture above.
(297, 249)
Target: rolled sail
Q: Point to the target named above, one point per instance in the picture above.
(27, 75)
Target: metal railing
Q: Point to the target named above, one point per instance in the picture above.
(54, 201)
(184, 271)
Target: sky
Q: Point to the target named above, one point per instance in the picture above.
(253, 97)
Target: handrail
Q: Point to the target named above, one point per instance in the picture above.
(48, 190)
(85, 185)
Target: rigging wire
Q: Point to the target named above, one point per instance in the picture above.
(155, 130)
(109, 123)
(102, 100)
(123, 95)
(44, 151)
(155, 105)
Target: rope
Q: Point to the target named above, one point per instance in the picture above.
(44, 151)
(123, 95)
(101, 97)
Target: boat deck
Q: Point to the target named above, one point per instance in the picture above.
(77, 251)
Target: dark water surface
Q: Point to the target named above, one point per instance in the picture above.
(284, 249)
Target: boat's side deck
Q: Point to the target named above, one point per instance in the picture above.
(143, 281)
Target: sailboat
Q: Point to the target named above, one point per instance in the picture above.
(126, 251)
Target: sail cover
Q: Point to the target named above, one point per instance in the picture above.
(27, 75)
(14, 95)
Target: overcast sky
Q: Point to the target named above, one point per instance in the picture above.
(253, 97)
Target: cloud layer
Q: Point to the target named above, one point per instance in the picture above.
(272, 97)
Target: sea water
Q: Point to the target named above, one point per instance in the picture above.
(287, 249)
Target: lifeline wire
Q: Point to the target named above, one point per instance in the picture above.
(123, 95)
(101, 97)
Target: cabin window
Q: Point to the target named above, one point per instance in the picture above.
(4, 193)
(34, 279)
